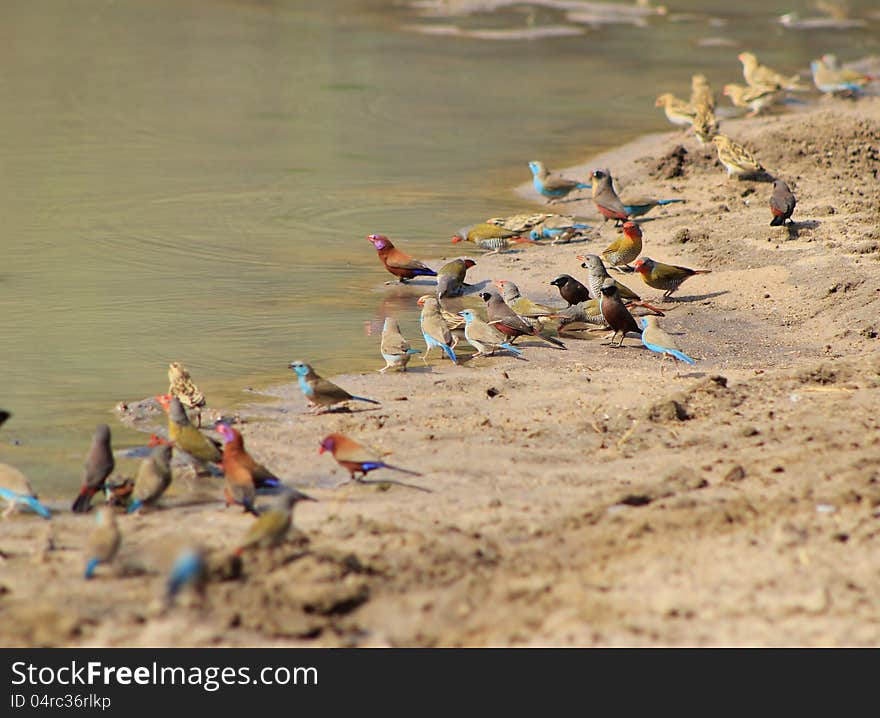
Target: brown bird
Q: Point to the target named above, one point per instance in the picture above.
(505, 320)
(606, 199)
(240, 486)
(399, 263)
(667, 277)
(99, 465)
(181, 385)
(625, 249)
(616, 315)
(782, 203)
(571, 290)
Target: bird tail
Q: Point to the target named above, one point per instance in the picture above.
(662, 202)
(267, 482)
(521, 240)
(90, 568)
(425, 272)
(681, 355)
(581, 185)
(777, 221)
(511, 348)
(449, 352)
(413, 351)
(363, 398)
(397, 468)
(650, 307)
(83, 502)
(550, 340)
(29, 501)
(702, 271)
(134, 506)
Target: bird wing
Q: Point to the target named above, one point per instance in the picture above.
(401, 260)
(394, 343)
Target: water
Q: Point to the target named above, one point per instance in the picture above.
(193, 180)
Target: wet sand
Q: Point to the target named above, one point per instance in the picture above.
(583, 497)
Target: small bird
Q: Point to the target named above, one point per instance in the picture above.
(755, 99)
(657, 340)
(598, 274)
(399, 263)
(737, 160)
(641, 206)
(233, 447)
(103, 541)
(435, 330)
(705, 125)
(491, 237)
(395, 349)
(450, 277)
(667, 277)
(553, 186)
(356, 458)
(483, 337)
(272, 526)
(99, 465)
(606, 199)
(239, 485)
(509, 322)
(624, 249)
(584, 315)
(782, 203)
(523, 306)
(153, 478)
(757, 75)
(187, 437)
(614, 311)
(678, 112)
(571, 290)
(322, 394)
(830, 78)
(190, 568)
(17, 491)
(701, 93)
(181, 385)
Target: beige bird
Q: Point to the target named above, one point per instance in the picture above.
(757, 75)
(737, 160)
(678, 112)
(104, 540)
(755, 99)
(701, 93)
(705, 125)
(521, 223)
(395, 348)
(829, 77)
(181, 385)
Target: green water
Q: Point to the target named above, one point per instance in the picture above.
(193, 180)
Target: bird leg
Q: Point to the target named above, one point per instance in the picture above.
(425, 355)
(10, 508)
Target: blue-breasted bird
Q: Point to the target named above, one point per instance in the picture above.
(17, 491)
(188, 569)
(320, 393)
(655, 339)
(551, 186)
(483, 337)
(435, 330)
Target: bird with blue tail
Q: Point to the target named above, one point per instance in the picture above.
(483, 337)
(657, 340)
(556, 226)
(153, 478)
(435, 330)
(17, 491)
(189, 568)
(319, 392)
(265, 481)
(103, 542)
(394, 347)
(359, 460)
(641, 206)
(551, 186)
(399, 263)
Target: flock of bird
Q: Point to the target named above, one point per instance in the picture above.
(490, 321)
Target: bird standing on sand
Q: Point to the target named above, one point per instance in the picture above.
(831, 79)
(185, 436)
(606, 199)
(616, 315)
(239, 486)
(553, 186)
(667, 277)
(272, 526)
(450, 277)
(523, 306)
(356, 458)
(17, 491)
(677, 111)
(509, 322)
(435, 330)
(597, 276)
(483, 337)
(153, 478)
(233, 448)
(399, 263)
(99, 465)
(782, 203)
(737, 160)
(395, 349)
(657, 340)
(570, 289)
(705, 125)
(625, 248)
(104, 540)
(757, 75)
(756, 99)
(321, 394)
(491, 237)
(181, 385)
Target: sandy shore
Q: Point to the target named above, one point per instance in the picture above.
(591, 499)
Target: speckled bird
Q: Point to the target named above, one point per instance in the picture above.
(737, 160)
(181, 385)
(490, 237)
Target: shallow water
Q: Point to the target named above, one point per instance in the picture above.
(193, 180)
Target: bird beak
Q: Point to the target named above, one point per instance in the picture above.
(321, 450)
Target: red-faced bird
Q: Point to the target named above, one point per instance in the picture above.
(625, 248)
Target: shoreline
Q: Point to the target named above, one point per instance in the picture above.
(589, 498)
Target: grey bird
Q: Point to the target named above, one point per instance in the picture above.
(598, 274)
(503, 318)
(782, 203)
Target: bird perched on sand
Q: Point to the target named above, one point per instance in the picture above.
(678, 112)
(584, 315)
(181, 385)
(234, 451)
(395, 349)
(757, 75)
(153, 478)
(399, 263)
(17, 491)
(483, 337)
(490, 237)
(356, 458)
(606, 199)
(570, 289)
(667, 277)
(104, 540)
(552, 186)
(189, 568)
(782, 203)
(509, 322)
(187, 437)
(641, 206)
(99, 465)
(657, 340)
(240, 486)
(756, 99)
(705, 125)
(614, 311)
(321, 394)
(523, 306)
(830, 78)
(598, 274)
(625, 248)
(737, 160)
(272, 526)
(435, 330)
(701, 93)
(450, 277)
